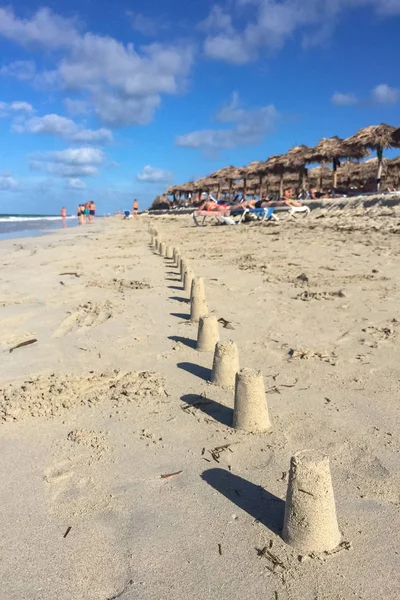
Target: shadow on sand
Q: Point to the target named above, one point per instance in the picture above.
(221, 413)
(197, 370)
(255, 500)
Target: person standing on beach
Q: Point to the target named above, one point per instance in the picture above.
(64, 217)
(135, 208)
(92, 211)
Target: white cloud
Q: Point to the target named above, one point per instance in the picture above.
(250, 126)
(8, 109)
(145, 25)
(384, 94)
(123, 85)
(7, 183)
(20, 69)
(76, 184)
(45, 29)
(78, 156)
(344, 99)
(67, 129)
(21, 106)
(269, 24)
(72, 162)
(76, 107)
(152, 175)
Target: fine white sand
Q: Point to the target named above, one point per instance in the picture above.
(113, 395)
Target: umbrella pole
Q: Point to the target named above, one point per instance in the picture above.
(244, 187)
(261, 187)
(334, 173)
(218, 190)
(281, 186)
(379, 153)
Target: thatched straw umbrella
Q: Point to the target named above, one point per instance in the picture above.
(348, 172)
(333, 150)
(277, 165)
(229, 174)
(375, 137)
(206, 184)
(296, 160)
(258, 169)
(320, 176)
(369, 168)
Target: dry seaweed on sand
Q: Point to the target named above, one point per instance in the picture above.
(22, 344)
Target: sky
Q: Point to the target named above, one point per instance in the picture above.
(116, 101)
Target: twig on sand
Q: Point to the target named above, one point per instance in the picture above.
(220, 549)
(67, 532)
(22, 344)
(166, 475)
(74, 274)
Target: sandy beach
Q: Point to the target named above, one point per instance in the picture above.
(113, 396)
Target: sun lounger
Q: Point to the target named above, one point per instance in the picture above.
(294, 210)
(264, 213)
(207, 213)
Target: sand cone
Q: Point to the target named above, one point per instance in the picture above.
(198, 308)
(197, 288)
(169, 253)
(225, 365)
(177, 255)
(251, 410)
(208, 333)
(187, 280)
(178, 261)
(183, 266)
(156, 244)
(310, 523)
(163, 249)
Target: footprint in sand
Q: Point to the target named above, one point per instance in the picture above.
(87, 315)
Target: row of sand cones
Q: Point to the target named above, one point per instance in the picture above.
(310, 522)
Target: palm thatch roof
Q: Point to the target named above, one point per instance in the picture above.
(369, 167)
(375, 137)
(276, 164)
(320, 173)
(229, 173)
(171, 190)
(257, 167)
(205, 183)
(298, 156)
(332, 149)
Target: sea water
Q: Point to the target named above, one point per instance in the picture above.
(27, 225)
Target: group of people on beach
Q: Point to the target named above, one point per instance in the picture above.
(86, 211)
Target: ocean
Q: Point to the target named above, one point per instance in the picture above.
(12, 226)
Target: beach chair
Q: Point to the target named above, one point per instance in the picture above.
(294, 210)
(265, 214)
(207, 213)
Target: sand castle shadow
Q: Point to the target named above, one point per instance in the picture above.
(186, 341)
(178, 288)
(182, 316)
(255, 500)
(179, 299)
(221, 413)
(197, 370)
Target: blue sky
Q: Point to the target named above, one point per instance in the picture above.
(111, 101)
